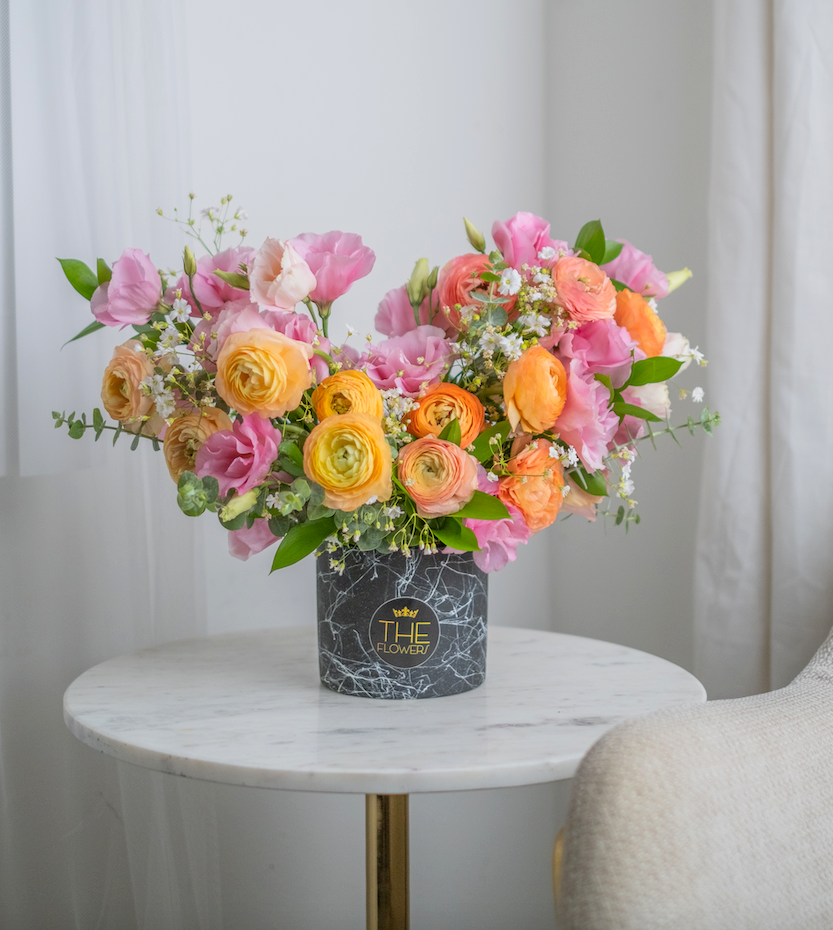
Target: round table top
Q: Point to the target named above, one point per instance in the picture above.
(248, 709)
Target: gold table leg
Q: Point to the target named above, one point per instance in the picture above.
(386, 844)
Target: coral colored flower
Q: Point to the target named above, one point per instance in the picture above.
(458, 280)
(336, 259)
(639, 318)
(395, 315)
(586, 422)
(521, 238)
(636, 270)
(409, 362)
(121, 391)
(535, 390)
(263, 372)
(603, 348)
(240, 458)
(185, 436)
(350, 458)
(131, 294)
(439, 405)
(579, 502)
(347, 392)
(583, 289)
(278, 276)
(248, 541)
(439, 476)
(534, 487)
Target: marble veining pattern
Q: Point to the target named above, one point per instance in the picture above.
(454, 587)
(249, 709)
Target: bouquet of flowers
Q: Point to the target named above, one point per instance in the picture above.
(510, 386)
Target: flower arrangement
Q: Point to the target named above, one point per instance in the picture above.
(512, 385)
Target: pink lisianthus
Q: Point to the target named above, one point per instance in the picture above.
(498, 539)
(300, 327)
(241, 457)
(521, 238)
(586, 423)
(249, 541)
(336, 259)
(637, 271)
(395, 315)
(213, 292)
(584, 290)
(278, 277)
(409, 362)
(209, 335)
(603, 348)
(131, 294)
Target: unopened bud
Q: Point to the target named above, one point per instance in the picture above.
(189, 263)
(676, 278)
(239, 504)
(432, 278)
(418, 285)
(474, 235)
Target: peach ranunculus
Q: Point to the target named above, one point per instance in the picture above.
(439, 476)
(186, 434)
(263, 372)
(121, 392)
(583, 289)
(639, 318)
(439, 405)
(534, 486)
(458, 278)
(278, 276)
(535, 390)
(349, 391)
(350, 458)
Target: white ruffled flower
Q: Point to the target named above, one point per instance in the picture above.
(512, 346)
(547, 253)
(181, 311)
(510, 283)
(697, 395)
(165, 405)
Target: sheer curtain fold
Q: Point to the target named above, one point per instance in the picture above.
(764, 582)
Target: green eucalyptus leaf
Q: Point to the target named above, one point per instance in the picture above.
(301, 540)
(317, 512)
(80, 276)
(489, 276)
(76, 429)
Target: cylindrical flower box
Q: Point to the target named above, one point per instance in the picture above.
(395, 627)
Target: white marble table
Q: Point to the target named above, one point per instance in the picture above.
(248, 709)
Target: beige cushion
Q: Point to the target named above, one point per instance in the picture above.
(712, 816)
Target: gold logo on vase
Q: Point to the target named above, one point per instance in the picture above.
(398, 638)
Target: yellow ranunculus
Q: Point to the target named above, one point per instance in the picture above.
(350, 458)
(185, 435)
(263, 372)
(348, 391)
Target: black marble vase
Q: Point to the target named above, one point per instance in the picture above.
(395, 627)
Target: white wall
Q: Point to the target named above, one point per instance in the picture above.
(393, 120)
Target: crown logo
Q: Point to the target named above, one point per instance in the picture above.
(405, 612)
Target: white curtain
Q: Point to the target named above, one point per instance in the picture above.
(764, 584)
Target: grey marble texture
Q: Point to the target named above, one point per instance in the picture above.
(249, 709)
(357, 625)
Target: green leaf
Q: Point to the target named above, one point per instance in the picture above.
(76, 429)
(592, 483)
(93, 327)
(591, 239)
(80, 276)
(489, 276)
(612, 250)
(301, 540)
(236, 523)
(291, 459)
(117, 433)
(620, 515)
(451, 432)
(318, 512)
(103, 271)
(483, 507)
(452, 532)
(234, 279)
(481, 449)
(622, 410)
(135, 444)
(618, 285)
(652, 370)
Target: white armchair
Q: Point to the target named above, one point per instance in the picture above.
(713, 816)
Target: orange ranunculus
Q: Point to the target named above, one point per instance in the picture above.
(263, 372)
(637, 316)
(583, 289)
(458, 278)
(439, 405)
(121, 391)
(348, 391)
(439, 476)
(535, 389)
(534, 486)
(350, 458)
(185, 435)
